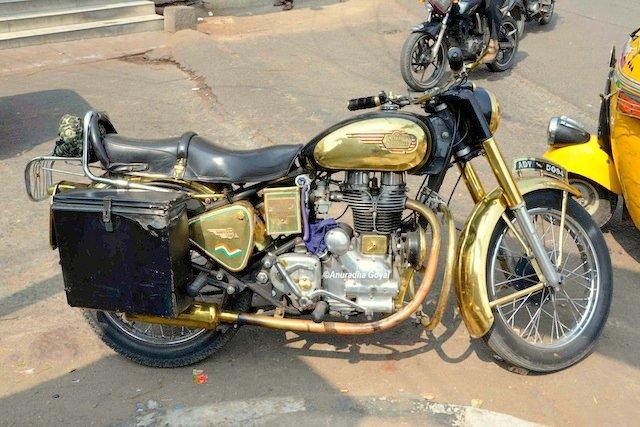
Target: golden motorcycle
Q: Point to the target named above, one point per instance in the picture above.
(606, 166)
(174, 244)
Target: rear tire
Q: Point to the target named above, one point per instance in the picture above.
(508, 337)
(547, 17)
(112, 331)
(506, 56)
(413, 63)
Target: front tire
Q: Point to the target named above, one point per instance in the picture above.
(550, 330)
(175, 348)
(418, 72)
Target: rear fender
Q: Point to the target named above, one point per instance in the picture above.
(431, 28)
(473, 250)
(588, 160)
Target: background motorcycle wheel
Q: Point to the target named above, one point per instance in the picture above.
(597, 200)
(506, 55)
(550, 330)
(519, 15)
(548, 16)
(164, 346)
(418, 73)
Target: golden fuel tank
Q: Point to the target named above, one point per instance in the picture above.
(381, 141)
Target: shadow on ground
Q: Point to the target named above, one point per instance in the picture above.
(82, 396)
(30, 295)
(533, 27)
(32, 118)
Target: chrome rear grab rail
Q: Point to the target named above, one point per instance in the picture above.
(38, 174)
(120, 183)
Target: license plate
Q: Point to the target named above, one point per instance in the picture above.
(541, 166)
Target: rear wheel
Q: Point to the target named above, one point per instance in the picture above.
(419, 72)
(597, 200)
(164, 346)
(551, 329)
(508, 41)
(547, 16)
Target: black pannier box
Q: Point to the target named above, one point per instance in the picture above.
(124, 250)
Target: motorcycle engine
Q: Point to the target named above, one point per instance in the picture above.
(360, 271)
(470, 37)
(474, 45)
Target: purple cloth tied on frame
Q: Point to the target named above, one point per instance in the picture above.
(317, 230)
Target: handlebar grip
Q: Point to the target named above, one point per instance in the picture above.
(364, 103)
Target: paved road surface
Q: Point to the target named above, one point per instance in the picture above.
(270, 77)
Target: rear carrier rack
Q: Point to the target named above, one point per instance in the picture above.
(39, 173)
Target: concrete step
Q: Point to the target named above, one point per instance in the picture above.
(61, 33)
(11, 7)
(79, 15)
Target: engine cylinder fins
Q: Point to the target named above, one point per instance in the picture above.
(375, 208)
(389, 210)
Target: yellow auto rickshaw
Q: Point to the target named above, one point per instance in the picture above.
(606, 166)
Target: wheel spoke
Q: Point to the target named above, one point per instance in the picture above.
(519, 278)
(551, 316)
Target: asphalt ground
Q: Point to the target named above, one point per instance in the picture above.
(255, 76)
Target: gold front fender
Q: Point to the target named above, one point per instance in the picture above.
(473, 249)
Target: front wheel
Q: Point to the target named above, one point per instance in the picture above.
(551, 329)
(419, 71)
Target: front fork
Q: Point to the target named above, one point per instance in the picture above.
(438, 43)
(527, 234)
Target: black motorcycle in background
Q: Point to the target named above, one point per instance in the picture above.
(464, 24)
(540, 11)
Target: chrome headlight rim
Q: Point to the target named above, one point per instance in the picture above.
(496, 112)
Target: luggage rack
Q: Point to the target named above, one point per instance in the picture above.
(38, 174)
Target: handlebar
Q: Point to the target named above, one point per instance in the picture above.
(367, 102)
(456, 60)
(401, 101)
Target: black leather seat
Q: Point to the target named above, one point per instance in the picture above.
(205, 160)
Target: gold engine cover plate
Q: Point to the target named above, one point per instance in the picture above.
(374, 244)
(282, 210)
(377, 144)
(225, 234)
